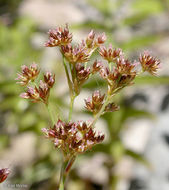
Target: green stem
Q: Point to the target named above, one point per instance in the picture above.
(62, 176)
(65, 169)
(67, 75)
(50, 113)
(71, 106)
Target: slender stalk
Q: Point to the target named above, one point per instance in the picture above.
(68, 78)
(65, 169)
(62, 176)
(50, 113)
(71, 106)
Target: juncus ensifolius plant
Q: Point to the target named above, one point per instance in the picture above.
(76, 137)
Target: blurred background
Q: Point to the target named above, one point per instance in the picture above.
(135, 153)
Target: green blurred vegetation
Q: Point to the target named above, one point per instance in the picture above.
(19, 117)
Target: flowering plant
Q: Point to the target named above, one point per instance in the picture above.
(76, 137)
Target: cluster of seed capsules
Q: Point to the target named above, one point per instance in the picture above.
(77, 137)
(118, 72)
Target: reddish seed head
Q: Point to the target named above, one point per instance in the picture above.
(77, 136)
(58, 37)
(76, 54)
(28, 74)
(95, 103)
(149, 63)
(4, 174)
(110, 54)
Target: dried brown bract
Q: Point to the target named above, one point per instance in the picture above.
(73, 137)
(149, 63)
(28, 74)
(59, 36)
(4, 174)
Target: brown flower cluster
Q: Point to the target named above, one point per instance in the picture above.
(92, 41)
(149, 63)
(59, 36)
(122, 75)
(40, 93)
(95, 103)
(110, 54)
(4, 174)
(28, 74)
(76, 55)
(73, 137)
